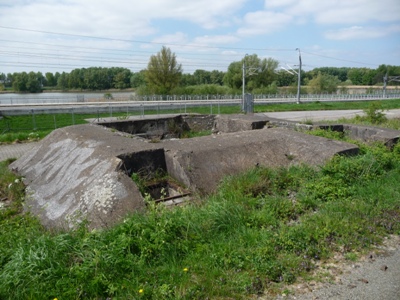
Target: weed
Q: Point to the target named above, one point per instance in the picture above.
(308, 122)
(374, 113)
(262, 229)
(351, 256)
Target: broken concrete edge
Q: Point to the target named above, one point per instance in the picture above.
(363, 133)
(83, 172)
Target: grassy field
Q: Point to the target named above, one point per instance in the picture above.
(261, 231)
(31, 127)
(382, 104)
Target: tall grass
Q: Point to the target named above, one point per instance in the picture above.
(260, 229)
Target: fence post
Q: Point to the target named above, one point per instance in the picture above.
(73, 116)
(33, 119)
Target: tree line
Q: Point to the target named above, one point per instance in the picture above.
(164, 75)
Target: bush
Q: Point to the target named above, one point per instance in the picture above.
(374, 114)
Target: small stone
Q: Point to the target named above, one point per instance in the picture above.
(384, 267)
(363, 280)
(351, 286)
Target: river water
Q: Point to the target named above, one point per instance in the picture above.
(48, 98)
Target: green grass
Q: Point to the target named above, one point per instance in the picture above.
(261, 230)
(334, 105)
(28, 127)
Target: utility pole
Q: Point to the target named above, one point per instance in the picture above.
(385, 79)
(298, 77)
(243, 80)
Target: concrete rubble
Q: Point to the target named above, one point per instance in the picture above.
(83, 172)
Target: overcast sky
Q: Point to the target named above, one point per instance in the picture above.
(61, 35)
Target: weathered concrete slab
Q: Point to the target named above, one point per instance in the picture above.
(235, 123)
(373, 134)
(82, 172)
(75, 174)
(200, 163)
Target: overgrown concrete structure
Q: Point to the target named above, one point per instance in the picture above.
(84, 172)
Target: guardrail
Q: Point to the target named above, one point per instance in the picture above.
(264, 98)
(174, 106)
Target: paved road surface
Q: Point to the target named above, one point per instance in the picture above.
(15, 150)
(327, 115)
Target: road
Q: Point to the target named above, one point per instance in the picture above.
(325, 115)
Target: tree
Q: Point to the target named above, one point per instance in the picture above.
(19, 81)
(284, 78)
(122, 78)
(138, 79)
(259, 72)
(50, 79)
(355, 75)
(202, 77)
(62, 81)
(323, 84)
(217, 77)
(9, 80)
(233, 77)
(163, 72)
(33, 85)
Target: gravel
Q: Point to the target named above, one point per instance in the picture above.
(375, 276)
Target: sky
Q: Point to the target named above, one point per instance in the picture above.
(62, 35)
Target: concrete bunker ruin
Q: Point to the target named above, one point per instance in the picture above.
(84, 172)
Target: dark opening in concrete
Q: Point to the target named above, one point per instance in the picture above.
(145, 163)
(159, 128)
(167, 192)
(149, 168)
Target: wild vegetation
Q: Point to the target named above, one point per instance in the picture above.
(261, 231)
(165, 76)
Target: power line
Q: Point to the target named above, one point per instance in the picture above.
(339, 59)
(138, 41)
(127, 55)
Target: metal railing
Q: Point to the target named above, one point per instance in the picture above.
(94, 98)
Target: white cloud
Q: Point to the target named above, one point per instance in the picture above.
(178, 38)
(215, 40)
(347, 12)
(119, 18)
(359, 32)
(279, 3)
(263, 22)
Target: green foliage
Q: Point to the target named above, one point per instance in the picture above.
(138, 79)
(270, 89)
(323, 83)
(163, 72)
(259, 73)
(108, 96)
(203, 89)
(262, 228)
(374, 113)
(385, 104)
